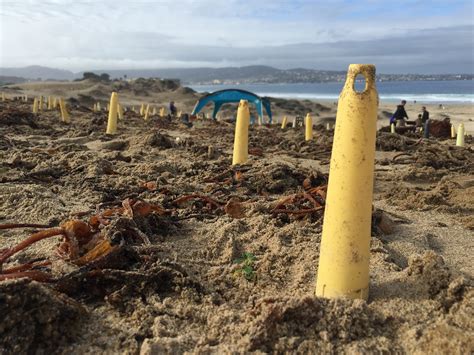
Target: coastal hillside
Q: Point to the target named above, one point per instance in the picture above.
(89, 91)
(229, 75)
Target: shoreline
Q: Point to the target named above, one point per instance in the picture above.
(323, 110)
(427, 92)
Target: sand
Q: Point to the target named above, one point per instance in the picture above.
(186, 291)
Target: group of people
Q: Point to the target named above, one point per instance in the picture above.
(400, 117)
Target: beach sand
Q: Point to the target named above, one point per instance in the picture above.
(185, 290)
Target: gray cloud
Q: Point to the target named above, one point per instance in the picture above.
(86, 34)
(424, 51)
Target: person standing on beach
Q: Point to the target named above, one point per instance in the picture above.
(400, 114)
(425, 115)
(425, 119)
(173, 109)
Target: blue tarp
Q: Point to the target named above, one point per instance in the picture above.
(222, 97)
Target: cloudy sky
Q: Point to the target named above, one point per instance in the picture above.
(424, 36)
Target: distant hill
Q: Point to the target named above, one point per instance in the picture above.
(35, 72)
(263, 74)
(230, 75)
(193, 75)
(6, 80)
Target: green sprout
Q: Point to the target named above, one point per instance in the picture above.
(246, 266)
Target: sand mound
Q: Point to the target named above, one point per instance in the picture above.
(33, 315)
(14, 116)
(299, 107)
(429, 273)
(447, 195)
(309, 324)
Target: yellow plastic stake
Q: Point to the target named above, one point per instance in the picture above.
(142, 109)
(343, 270)
(392, 128)
(154, 111)
(50, 103)
(120, 112)
(133, 108)
(112, 121)
(453, 131)
(98, 107)
(40, 103)
(284, 122)
(460, 138)
(241, 140)
(3, 96)
(328, 126)
(147, 110)
(35, 105)
(55, 103)
(162, 112)
(64, 114)
(26, 98)
(308, 122)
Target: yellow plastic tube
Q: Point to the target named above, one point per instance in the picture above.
(55, 103)
(3, 96)
(40, 103)
(460, 137)
(328, 126)
(162, 112)
(120, 111)
(147, 110)
(392, 128)
(241, 140)
(343, 270)
(112, 121)
(64, 114)
(308, 133)
(154, 111)
(284, 122)
(453, 131)
(142, 109)
(35, 105)
(50, 103)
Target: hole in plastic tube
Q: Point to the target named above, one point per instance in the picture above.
(360, 83)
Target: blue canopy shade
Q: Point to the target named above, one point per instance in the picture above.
(222, 97)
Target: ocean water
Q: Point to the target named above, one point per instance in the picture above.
(458, 91)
